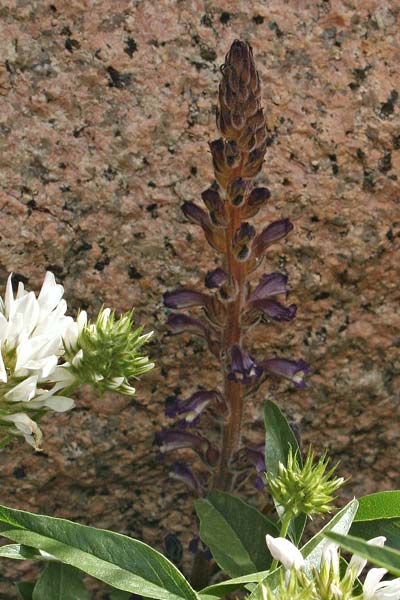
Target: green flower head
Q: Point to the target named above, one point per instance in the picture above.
(307, 489)
(106, 354)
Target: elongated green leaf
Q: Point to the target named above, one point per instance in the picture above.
(229, 586)
(279, 438)
(235, 533)
(21, 552)
(383, 505)
(60, 582)
(25, 589)
(382, 557)
(119, 561)
(390, 528)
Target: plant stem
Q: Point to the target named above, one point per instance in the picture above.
(283, 533)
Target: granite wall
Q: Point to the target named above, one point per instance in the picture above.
(106, 111)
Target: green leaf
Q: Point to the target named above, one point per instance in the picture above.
(235, 533)
(383, 505)
(119, 561)
(60, 582)
(279, 438)
(21, 552)
(25, 589)
(227, 587)
(382, 557)
(390, 528)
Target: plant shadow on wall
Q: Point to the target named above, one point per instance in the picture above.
(240, 550)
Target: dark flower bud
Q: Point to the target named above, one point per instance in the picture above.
(274, 309)
(257, 457)
(212, 200)
(257, 198)
(173, 548)
(216, 278)
(242, 239)
(243, 369)
(184, 298)
(271, 234)
(217, 148)
(184, 473)
(270, 285)
(236, 191)
(294, 370)
(195, 214)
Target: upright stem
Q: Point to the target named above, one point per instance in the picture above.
(231, 335)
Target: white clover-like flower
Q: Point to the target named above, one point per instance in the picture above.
(31, 343)
(375, 589)
(284, 551)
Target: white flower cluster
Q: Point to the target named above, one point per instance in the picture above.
(327, 582)
(31, 343)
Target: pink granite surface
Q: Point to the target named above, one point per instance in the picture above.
(106, 111)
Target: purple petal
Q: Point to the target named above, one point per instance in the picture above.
(294, 370)
(183, 298)
(180, 322)
(271, 234)
(193, 406)
(259, 483)
(243, 369)
(173, 439)
(237, 190)
(258, 197)
(216, 278)
(184, 473)
(275, 310)
(244, 234)
(257, 457)
(270, 285)
(195, 214)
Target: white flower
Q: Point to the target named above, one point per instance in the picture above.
(357, 564)
(284, 551)
(374, 589)
(26, 427)
(330, 557)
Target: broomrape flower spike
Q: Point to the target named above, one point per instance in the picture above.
(326, 582)
(306, 489)
(106, 353)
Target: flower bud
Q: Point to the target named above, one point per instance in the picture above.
(271, 234)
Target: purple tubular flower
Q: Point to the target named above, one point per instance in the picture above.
(294, 370)
(216, 278)
(270, 285)
(174, 439)
(275, 310)
(257, 198)
(180, 322)
(244, 234)
(184, 473)
(183, 298)
(271, 234)
(243, 369)
(192, 407)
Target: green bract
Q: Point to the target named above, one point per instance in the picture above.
(106, 354)
(306, 489)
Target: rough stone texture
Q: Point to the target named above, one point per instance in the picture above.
(106, 110)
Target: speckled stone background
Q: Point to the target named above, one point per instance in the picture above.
(106, 111)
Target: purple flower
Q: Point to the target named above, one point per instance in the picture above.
(180, 322)
(270, 285)
(196, 545)
(242, 239)
(243, 369)
(216, 278)
(184, 473)
(237, 190)
(192, 407)
(271, 234)
(174, 439)
(294, 370)
(183, 298)
(275, 310)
